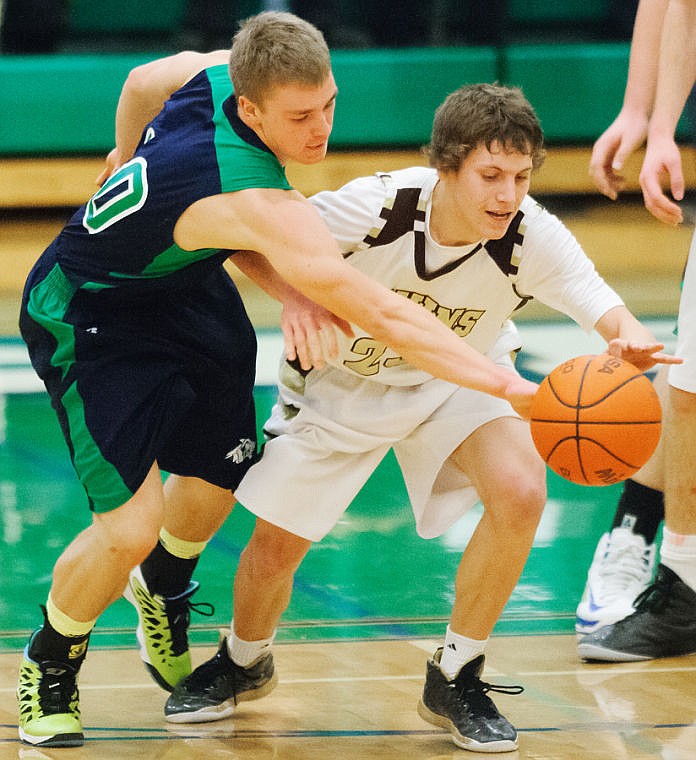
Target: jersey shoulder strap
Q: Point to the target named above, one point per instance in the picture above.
(506, 253)
(403, 211)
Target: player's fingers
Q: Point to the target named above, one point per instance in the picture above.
(616, 347)
(657, 202)
(609, 187)
(289, 342)
(329, 342)
(662, 208)
(604, 168)
(312, 349)
(103, 176)
(604, 179)
(676, 185)
(661, 358)
(645, 348)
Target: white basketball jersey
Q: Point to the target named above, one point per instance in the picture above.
(382, 225)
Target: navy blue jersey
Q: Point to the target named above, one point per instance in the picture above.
(195, 148)
(146, 349)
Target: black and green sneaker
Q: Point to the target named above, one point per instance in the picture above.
(48, 702)
(214, 688)
(463, 707)
(663, 625)
(162, 632)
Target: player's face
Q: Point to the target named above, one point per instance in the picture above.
(294, 121)
(482, 198)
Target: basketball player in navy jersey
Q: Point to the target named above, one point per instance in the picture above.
(465, 241)
(148, 355)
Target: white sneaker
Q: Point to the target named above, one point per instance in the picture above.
(622, 567)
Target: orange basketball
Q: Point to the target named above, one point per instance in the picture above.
(595, 420)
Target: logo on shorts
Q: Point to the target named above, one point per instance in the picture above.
(244, 450)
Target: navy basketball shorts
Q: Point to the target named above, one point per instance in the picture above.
(167, 377)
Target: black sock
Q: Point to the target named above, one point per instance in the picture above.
(49, 644)
(166, 574)
(641, 509)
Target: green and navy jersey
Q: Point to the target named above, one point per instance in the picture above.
(194, 148)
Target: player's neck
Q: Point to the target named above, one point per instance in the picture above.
(445, 226)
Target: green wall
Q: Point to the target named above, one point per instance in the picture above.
(65, 103)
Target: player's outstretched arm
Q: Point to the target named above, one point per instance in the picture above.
(630, 340)
(309, 330)
(288, 231)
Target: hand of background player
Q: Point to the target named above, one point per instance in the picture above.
(626, 133)
(309, 331)
(520, 394)
(662, 165)
(643, 356)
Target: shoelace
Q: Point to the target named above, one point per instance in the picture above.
(57, 688)
(655, 596)
(207, 677)
(622, 565)
(213, 676)
(474, 693)
(179, 615)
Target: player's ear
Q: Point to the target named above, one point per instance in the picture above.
(247, 110)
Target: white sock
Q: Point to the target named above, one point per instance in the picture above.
(459, 650)
(244, 653)
(678, 553)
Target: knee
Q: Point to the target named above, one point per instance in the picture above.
(126, 542)
(273, 552)
(520, 496)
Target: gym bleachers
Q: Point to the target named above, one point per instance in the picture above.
(61, 105)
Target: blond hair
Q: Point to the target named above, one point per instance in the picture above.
(275, 48)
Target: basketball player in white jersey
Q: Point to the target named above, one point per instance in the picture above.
(466, 241)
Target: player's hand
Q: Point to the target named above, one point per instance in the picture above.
(520, 393)
(642, 356)
(112, 162)
(611, 150)
(309, 331)
(662, 167)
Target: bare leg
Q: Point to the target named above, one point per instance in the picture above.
(680, 462)
(93, 570)
(652, 473)
(511, 481)
(263, 583)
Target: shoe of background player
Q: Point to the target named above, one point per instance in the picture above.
(621, 569)
(163, 629)
(663, 625)
(49, 703)
(214, 688)
(464, 708)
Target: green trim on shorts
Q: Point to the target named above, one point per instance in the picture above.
(100, 479)
(48, 303)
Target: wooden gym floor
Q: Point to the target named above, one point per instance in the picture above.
(371, 600)
(357, 699)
